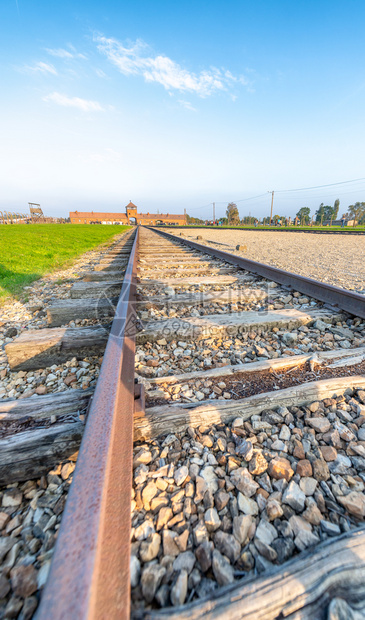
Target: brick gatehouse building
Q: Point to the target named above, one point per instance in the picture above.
(131, 216)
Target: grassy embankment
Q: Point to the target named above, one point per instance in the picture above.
(28, 252)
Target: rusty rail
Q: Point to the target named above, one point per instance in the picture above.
(354, 303)
(89, 576)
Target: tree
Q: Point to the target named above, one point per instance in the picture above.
(326, 212)
(303, 214)
(232, 214)
(193, 220)
(357, 211)
(336, 207)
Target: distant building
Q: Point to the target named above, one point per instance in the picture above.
(131, 216)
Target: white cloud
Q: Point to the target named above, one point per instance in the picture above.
(59, 53)
(41, 67)
(137, 59)
(187, 105)
(74, 102)
(62, 53)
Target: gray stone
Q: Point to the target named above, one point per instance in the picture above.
(247, 505)
(151, 578)
(5, 545)
(162, 595)
(279, 446)
(24, 580)
(43, 574)
(305, 539)
(273, 509)
(13, 607)
(12, 498)
(180, 475)
(228, 545)
(320, 425)
(185, 561)
(144, 530)
(179, 589)
(340, 465)
(200, 533)
(358, 462)
(244, 482)
(241, 527)
(308, 485)
(330, 528)
(135, 569)
(4, 586)
(266, 532)
(207, 473)
(284, 548)
(221, 499)
(195, 578)
(294, 496)
(298, 524)
(169, 545)
(245, 449)
(212, 520)
(28, 609)
(290, 338)
(320, 325)
(204, 555)
(361, 434)
(285, 433)
(223, 571)
(265, 550)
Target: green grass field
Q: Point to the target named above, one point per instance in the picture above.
(27, 252)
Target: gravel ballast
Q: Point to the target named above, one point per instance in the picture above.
(334, 259)
(222, 502)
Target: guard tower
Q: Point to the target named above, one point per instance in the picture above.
(36, 212)
(131, 211)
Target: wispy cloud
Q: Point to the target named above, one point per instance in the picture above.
(62, 53)
(40, 67)
(187, 105)
(100, 73)
(138, 59)
(74, 102)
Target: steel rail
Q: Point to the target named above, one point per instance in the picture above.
(353, 303)
(89, 576)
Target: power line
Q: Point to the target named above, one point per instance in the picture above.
(200, 208)
(284, 191)
(303, 189)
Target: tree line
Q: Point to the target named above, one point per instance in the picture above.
(323, 215)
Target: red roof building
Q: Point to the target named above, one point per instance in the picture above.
(131, 216)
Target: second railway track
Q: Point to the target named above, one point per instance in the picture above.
(233, 406)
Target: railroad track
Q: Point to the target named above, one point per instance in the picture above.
(232, 398)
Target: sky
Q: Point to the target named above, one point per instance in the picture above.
(178, 105)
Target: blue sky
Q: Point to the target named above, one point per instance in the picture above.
(179, 104)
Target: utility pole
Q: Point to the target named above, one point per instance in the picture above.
(213, 213)
(272, 204)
